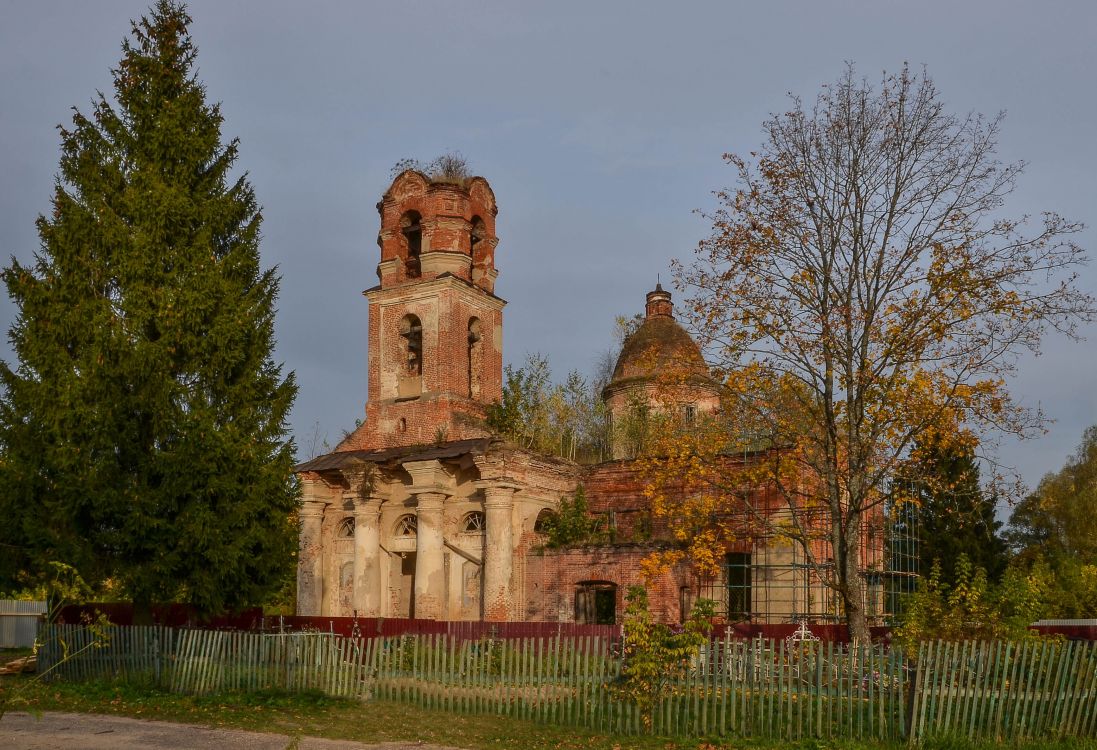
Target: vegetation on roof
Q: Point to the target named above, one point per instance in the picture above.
(451, 167)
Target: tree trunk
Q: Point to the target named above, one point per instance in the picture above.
(846, 544)
(853, 593)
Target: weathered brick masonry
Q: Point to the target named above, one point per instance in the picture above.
(420, 512)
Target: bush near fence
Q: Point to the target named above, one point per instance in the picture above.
(756, 688)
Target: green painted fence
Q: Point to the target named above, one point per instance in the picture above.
(1004, 690)
(743, 688)
(198, 662)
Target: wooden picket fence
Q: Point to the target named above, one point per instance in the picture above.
(198, 662)
(1004, 690)
(78, 653)
(757, 688)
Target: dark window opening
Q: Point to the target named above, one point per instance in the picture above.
(412, 230)
(690, 414)
(544, 520)
(412, 332)
(406, 526)
(477, 232)
(596, 603)
(737, 582)
(475, 357)
(473, 522)
(685, 603)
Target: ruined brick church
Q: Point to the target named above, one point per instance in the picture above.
(422, 513)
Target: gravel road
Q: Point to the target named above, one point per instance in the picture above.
(50, 731)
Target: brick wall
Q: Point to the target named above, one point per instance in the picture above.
(437, 388)
(554, 576)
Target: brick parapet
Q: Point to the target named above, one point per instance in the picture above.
(454, 217)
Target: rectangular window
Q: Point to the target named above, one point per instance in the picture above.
(737, 584)
(596, 603)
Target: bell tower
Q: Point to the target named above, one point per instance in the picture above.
(435, 324)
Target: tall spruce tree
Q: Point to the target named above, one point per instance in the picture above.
(952, 514)
(144, 429)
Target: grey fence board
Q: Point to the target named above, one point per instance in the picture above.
(741, 688)
(19, 622)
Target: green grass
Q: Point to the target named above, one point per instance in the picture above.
(315, 715)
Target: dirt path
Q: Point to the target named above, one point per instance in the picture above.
(50, 731)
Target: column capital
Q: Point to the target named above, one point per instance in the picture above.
(430, 489)
(426, 476)
(312, 508)
(367, 508)
(497, 491)
(501, 484)
(314, 488)
(430, 500)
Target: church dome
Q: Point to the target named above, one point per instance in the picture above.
(658, 344)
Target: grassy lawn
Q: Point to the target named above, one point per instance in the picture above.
(375, 721)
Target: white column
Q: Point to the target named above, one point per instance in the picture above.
(429, 567)
(310, 557)
(367, 546)
(498, 549)
(429, 485)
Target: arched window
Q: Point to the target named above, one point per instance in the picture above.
(345, 530)
(412, 332)
(412, 229)
(477, 232)
(475, 357)
(473, 522)
(407, 526)
(544, 521)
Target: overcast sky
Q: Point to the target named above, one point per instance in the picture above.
(600, 126)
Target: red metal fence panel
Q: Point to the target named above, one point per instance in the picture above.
(253, 620)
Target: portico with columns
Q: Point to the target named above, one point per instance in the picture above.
(420, 511)
(420, 532)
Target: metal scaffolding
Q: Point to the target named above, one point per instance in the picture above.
(769, 578)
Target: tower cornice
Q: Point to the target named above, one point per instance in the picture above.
(425, 289)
